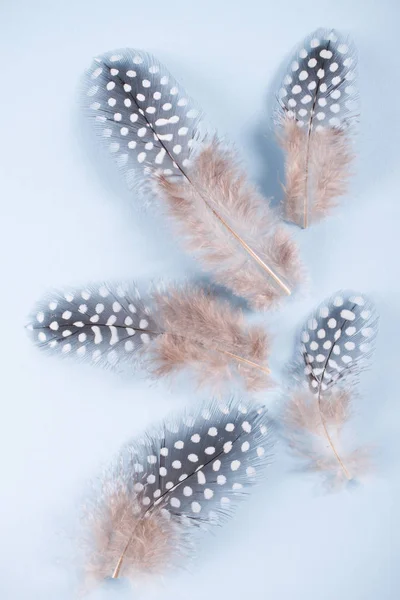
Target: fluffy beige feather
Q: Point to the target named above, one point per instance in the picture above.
(211, 337)
(318, 168)
(314, 428)
(230, 226)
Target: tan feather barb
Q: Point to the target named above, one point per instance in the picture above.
(225, 221)
(210, 336)
(315, 433)
(120, 542)
(318, 169)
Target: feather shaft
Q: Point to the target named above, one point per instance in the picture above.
(253, 254)
(330, 441)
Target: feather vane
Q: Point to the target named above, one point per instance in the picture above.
(336, 345)
(176, 326)
(157, 136)
(317, 108)
(188, 473)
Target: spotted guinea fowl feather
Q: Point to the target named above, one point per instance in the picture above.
(154, 131)
(336, 345)
(317, 108)
(173, 328)
(188, 473)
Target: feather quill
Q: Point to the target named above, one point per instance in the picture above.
(336, 344)
(317, 111)
(188, 473)
(155, 133)
(175, 327)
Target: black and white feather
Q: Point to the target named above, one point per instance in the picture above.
(319, 90)
(158, 139)
(105, 324)
(337, 341)
(187, 474)
(171, 328)
(201, 462)
(142, 115)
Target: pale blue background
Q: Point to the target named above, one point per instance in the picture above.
(67, 221)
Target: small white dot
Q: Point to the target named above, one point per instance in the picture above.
(151, 459)
(235, 464)
(221, 479)
(216, 465)
(140, 97)
(176, 464)
(209, 450)
(246, 426)
(208, 494)
(296, 89)
(326, 54)
(175, 503)
(124, 131)
(66, 348)
(163, 471)
(312, 62)
(303, 75)
(348, 315)
(245, 446)
(112, 101)
(201, 478)
(141, 157)
(193, 458)
(187, 491)
(227, 447)
(196, 507)
(110, 85)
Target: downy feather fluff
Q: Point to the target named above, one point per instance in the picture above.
(175, 327)
(156, 135)
(317, 108)
(189, 473)
(336, 344)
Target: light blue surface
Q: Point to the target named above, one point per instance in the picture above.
(66, 220)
